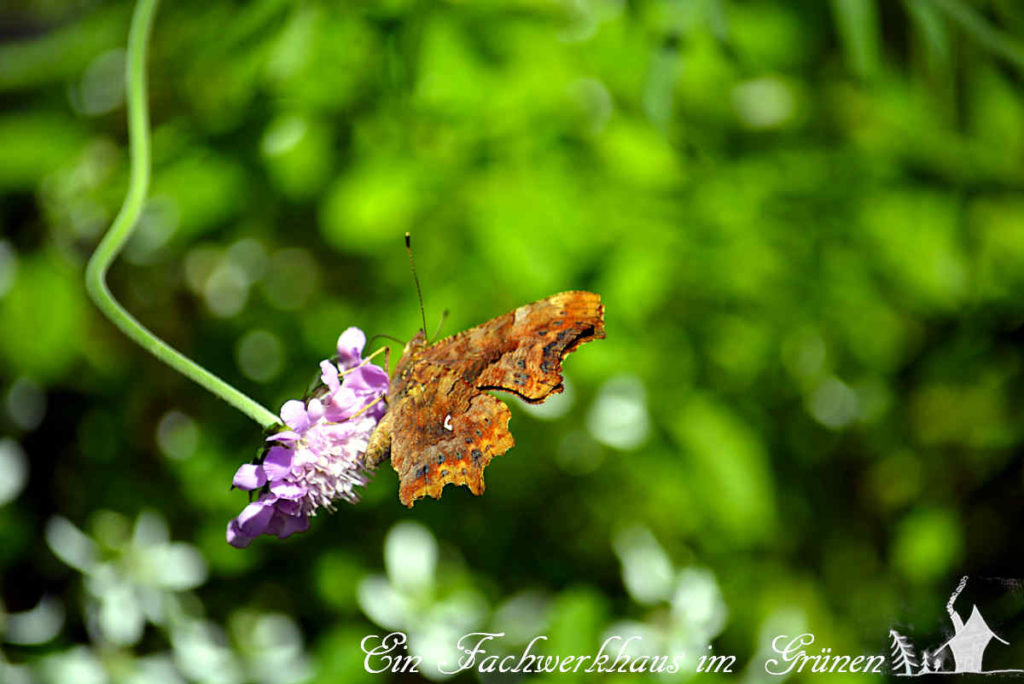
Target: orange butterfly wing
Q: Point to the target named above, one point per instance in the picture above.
(441, 426)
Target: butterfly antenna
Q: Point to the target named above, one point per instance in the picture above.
(382, 336)
(416, 278)
(444, 317)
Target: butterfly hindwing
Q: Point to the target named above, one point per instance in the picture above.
(456, 430)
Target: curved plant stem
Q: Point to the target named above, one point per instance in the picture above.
(127, 219)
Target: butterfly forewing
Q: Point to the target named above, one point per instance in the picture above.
(522, 351)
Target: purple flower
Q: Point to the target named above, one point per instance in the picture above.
(314, 461)
(350, 347)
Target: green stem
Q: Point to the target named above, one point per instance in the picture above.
(127, 219)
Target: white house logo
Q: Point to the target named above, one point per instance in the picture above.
(961, 653)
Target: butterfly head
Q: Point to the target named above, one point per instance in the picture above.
(410, 353)
(417, 344)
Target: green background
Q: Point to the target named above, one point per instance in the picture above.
(806, 223)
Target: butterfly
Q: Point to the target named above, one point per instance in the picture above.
(441, 426)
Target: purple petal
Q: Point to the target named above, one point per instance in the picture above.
(286, 436)
(378, 410)
(249, 477)
(286, 507)
(377, 378)
(287, 490)
(293, 412)
(304, 457)
(343, 404)
(278, 463)
(284, 525)
(341, 432)
(329, 376)
(350, 347)
(291, 524)
(236, 537)
(315, 410)
(254, 518)
(368, 379)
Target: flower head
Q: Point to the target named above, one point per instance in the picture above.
(314, 461)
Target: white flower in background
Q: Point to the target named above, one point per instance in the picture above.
(698, 609)
(522, 616)
(77, 664)
(647, 570)
(38, 625)
(619, 418)
(135, 575)
(687, 608)
(132, 574)
(14, 466)
(408, 599)
(202, 653)
(271, 647)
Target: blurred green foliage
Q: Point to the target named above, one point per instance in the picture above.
(805, 219)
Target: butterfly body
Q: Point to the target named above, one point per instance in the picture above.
(442, 426)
